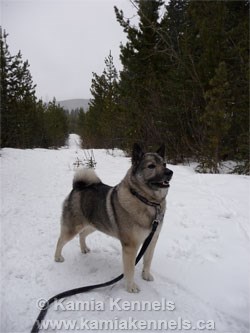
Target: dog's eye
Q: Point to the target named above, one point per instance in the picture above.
(151, 166)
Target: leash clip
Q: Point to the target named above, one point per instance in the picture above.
(155, 224)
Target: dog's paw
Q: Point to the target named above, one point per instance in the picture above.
(147, 276)
(85, 250)
(59, 259)
(133, 288)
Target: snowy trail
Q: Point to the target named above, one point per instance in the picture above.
(201, 261)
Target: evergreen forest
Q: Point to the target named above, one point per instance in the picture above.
(184, 82)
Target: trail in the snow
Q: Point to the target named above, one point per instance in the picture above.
(201, 261)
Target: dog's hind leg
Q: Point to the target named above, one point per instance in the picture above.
(65, 236)
(82, 238)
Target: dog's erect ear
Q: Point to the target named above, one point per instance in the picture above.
(161, 151)
(137, 154)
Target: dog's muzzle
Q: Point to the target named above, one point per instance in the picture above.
(168, 174)
(164, 183)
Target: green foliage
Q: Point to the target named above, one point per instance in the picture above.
(76, 121)
(100, 121)
(217, 118)
(18, 101)
(26, 122)
(185, 82)
(55, 125)
(143, 67)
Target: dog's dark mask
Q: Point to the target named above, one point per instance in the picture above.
(163, 175)
(161, 181)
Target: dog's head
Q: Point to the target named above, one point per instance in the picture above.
(150, 168)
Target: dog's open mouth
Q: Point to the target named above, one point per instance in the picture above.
(161, 184)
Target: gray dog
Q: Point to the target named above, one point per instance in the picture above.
(125, 211)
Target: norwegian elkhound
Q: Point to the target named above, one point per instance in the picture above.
(125, 211)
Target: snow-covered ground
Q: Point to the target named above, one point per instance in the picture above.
(201, 261)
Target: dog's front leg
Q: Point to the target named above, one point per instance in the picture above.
(129, 252)
(147, 259)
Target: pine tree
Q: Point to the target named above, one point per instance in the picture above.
(217, 118)
(109, 117)
(100, 120)
(6, 60)
(18, 101)
(140, 88)
(22, 103)
(81, 120)
(56, 125)
(178, 84)
(237, 25)
(26, 122)
(222, 38)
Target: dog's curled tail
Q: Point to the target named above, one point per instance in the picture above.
(84, 178)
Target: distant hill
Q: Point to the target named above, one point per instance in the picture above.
(72, 104)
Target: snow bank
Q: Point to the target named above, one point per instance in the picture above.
(201, 262)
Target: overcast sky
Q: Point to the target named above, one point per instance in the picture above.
(64, 41)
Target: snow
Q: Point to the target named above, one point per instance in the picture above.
(201, 261)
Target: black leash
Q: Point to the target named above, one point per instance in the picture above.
(42, 314)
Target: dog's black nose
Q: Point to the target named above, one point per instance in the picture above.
(168, 173)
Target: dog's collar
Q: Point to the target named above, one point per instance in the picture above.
(143, 199)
